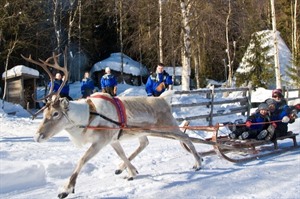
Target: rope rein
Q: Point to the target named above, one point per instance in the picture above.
(172, 127)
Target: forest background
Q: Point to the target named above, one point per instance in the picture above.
(149, 31)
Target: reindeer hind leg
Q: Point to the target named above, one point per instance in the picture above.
(143, 144)
(131, 169)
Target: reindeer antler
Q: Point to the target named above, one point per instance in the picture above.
(55, 65)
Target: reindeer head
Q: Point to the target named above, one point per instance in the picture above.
(55, 107)
(54, 119)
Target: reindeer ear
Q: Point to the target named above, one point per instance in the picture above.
(64, 103)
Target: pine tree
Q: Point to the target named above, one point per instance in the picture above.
(294, 72)
(259, 68)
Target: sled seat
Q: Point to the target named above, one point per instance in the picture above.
(290, 135)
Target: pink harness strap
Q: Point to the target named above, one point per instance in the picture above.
(118, 105)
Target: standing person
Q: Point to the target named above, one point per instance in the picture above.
(108, 83)
(57, 82)
(87, 85)
(158, 82)
(65, 90)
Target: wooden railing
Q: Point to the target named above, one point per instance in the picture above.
(286, 92)
(208, 102)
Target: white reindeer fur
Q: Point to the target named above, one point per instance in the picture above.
(79, 112)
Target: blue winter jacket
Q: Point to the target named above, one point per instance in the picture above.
(280, 112)
(108, 81)
(154, 80)
(65, 90)
(87, 84)
(258, 118)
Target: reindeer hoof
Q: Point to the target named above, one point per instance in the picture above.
(197, 168)
(118, 171)
(63, 195)
(130, 179)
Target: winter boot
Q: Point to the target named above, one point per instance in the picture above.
(244, 135)
(271, 130)
(262, 134)
(232, 135)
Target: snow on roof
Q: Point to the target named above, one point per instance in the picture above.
(170, 70)
(114, 63)
(284, 53)
(19, 70)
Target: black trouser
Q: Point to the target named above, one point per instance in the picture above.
(109, 90)
(241, 129)
(281, 130)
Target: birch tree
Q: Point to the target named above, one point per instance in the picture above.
(294, 31)
(230, 60)
(276, 53)
(160, 39)
(185, 6)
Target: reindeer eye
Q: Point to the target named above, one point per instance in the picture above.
(55, 114)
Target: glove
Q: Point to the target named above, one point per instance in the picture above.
(285, 119)
(248, 124)
(149, 94)
(160, 87)
(274, 124)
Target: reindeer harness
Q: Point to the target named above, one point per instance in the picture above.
(122, 118)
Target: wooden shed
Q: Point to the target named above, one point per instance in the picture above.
(21, 85)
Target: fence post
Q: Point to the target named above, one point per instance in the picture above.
(212, 105)
(249, 100)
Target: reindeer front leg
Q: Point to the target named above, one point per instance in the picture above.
(91, 152)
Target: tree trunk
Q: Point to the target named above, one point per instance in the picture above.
(121, 37)
(186, 66)
(229, 83)
(294, 33)
(10, 50)
(73, 70)
(160, 33)
(276, 55)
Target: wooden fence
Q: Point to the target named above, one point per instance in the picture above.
(209, 102)
(242, 104)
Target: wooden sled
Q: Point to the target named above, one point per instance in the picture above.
(235, 150)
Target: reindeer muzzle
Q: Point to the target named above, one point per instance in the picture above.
(39, 138)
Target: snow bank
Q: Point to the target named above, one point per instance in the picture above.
(12, 109)
(15, 178)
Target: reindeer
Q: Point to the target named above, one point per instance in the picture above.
(102, 120)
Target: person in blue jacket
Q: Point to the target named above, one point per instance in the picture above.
(256, 126)
(57, 82)
(109, 83)
(87, 85)
(158, 82)
(282, 114)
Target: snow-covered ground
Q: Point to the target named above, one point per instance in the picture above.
(38, 170)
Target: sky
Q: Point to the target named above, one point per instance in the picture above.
(39, 170)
